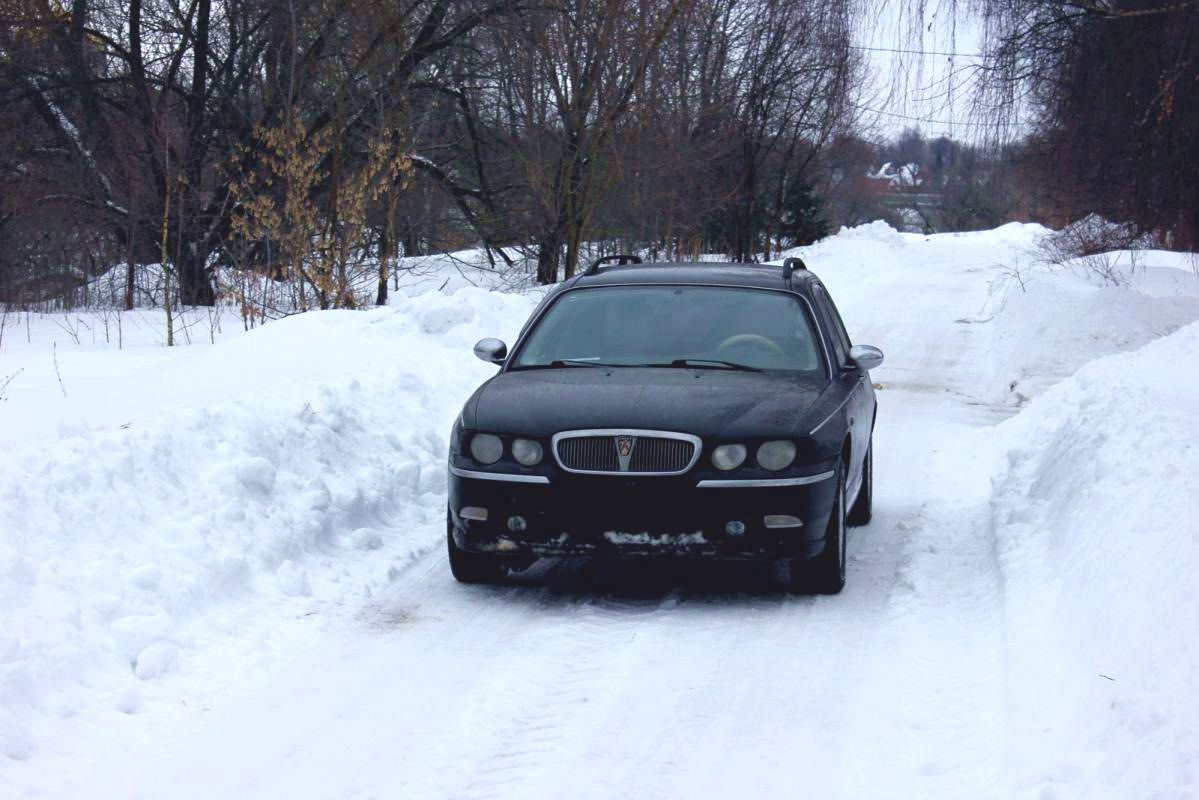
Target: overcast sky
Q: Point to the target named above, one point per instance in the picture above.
(920, 71)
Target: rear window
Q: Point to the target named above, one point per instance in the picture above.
(656, 325)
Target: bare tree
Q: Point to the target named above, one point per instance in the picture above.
(152, 97)
(1106, 86)
(164, 130)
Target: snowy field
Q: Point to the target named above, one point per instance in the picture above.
(222, 569)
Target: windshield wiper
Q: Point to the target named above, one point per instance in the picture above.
(579, 362)
(694, 363)
(709, 363)
(560, 363)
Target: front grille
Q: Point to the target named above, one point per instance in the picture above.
(589, 454)
(645, 452)
(661, 455)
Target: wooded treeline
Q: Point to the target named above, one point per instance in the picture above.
(1113, 87)
(317, 141)
(305, 138)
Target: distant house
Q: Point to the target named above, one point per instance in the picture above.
(906, 176)
(905, 192)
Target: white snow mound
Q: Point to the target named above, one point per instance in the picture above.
(1096, 537)
(126, 546)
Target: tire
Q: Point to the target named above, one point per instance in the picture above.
(473, 567)
(863, 507)
(825, 574)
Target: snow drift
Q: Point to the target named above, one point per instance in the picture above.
(1097, 539)
(150, 527)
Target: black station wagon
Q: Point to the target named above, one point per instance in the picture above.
(695, 410)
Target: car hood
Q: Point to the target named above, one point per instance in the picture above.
(705, 402)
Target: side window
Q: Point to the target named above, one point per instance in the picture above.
(832, 324)
(838, 325)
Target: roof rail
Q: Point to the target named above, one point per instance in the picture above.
(792, 264)
(620, 260)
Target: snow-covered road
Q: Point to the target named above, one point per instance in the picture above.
(599, 680)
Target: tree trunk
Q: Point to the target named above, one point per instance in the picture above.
(195, 288)
(381, 294)
(130, 271)
(411, 242)
(549, 252)
(386, 248)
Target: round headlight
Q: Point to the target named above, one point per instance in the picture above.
(527, 452)
(728, 456)
(486, 448)
(776, 455)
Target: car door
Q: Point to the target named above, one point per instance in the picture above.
(858, 405)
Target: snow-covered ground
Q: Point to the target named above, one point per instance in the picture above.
(221, 571)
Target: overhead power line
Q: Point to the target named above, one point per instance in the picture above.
(979, 56)
(930, 121)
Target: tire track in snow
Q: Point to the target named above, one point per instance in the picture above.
(636, 691)
(932, 703)
(581, 657)
(723, 694)
(929, 711)
(927, 718)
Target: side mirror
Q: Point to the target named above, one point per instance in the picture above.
(493, 351)
(865, 356)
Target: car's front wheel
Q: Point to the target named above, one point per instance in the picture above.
(473, 567)
(825, 574)
(863, 507)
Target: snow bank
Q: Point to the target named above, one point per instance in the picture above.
(1052, 322)
(1096, 537)
(224, 493)
(1042, 321)
(877, 231)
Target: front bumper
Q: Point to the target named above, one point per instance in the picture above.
(637, 517)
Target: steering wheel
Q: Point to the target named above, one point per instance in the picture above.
(753, 339)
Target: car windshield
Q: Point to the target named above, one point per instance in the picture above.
(707, 327)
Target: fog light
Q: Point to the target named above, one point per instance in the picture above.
(506, 545)
(517, 524)
(735, 528)
(782, 521)
(474, 512)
